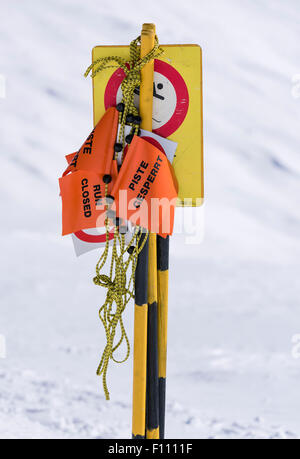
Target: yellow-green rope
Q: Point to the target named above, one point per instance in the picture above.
(120, 290)
(119, 293)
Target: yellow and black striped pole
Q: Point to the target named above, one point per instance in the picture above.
(162, 304)
(146, 105)
(152, 367)
(139, 429)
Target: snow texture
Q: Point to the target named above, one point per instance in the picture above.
(234, 299)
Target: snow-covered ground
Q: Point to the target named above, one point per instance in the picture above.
(234, 300)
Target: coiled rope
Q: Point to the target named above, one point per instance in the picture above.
(120, 284)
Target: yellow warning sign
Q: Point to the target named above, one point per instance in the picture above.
(177, 108)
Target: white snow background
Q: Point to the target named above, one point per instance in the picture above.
(234, 299)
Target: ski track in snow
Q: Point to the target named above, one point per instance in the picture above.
(234, 299)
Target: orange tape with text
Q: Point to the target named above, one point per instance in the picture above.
(80, 193)
(97, 152)
(83, 194)
(146, 189)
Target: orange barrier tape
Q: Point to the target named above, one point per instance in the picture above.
(81, 191)
(81, 186)
(146, 189)
(97, 152)
(113, 173)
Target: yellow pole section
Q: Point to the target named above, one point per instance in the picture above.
(147, 75)
(163, 280)
(141, 303)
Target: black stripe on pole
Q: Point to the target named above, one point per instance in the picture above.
(162, 407)
(141, 274)
(152, 370)
(163, 253)
(162, 265)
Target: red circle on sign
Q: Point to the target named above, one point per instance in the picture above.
(178, 83)
(93, 238)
